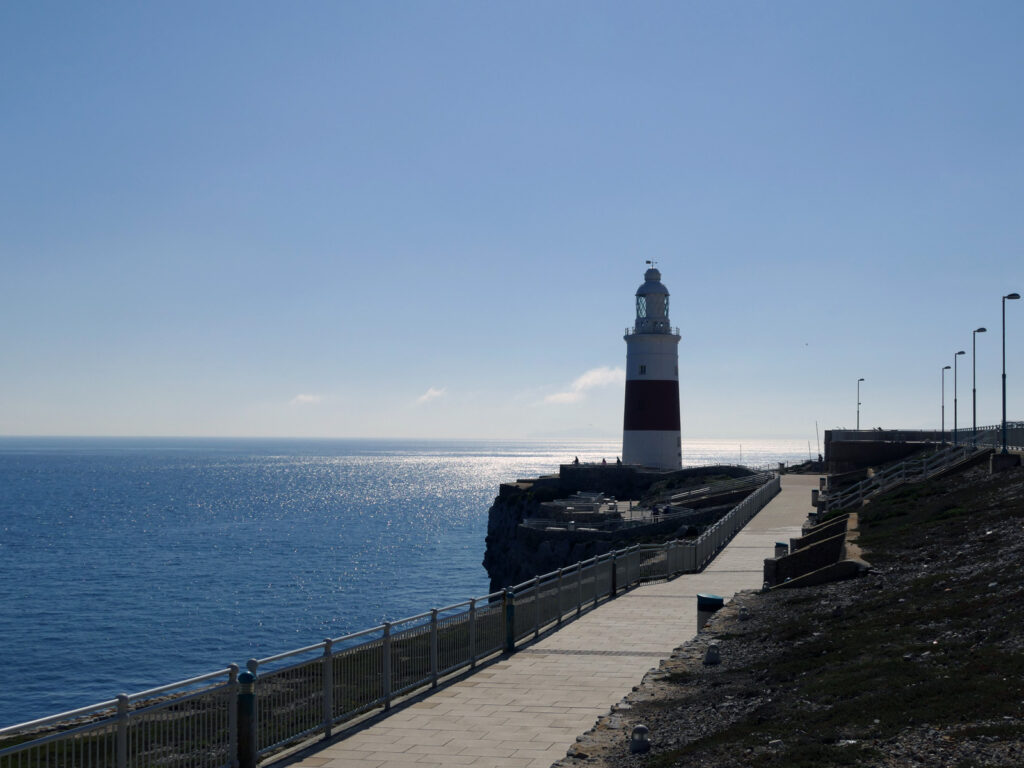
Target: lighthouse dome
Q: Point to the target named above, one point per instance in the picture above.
(652, 284)
(652, 305)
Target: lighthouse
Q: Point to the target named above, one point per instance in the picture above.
(650, 428)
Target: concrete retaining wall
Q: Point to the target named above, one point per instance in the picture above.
(811, 558)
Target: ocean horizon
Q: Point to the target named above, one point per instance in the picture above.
(132, 562)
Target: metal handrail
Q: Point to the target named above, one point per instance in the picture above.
(911, 470)
(736, 483)
(581, 524)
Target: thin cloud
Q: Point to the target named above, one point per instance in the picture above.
(305, 400)
(431, 394)
(592, 379)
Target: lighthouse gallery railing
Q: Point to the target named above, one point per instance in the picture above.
(309, 691)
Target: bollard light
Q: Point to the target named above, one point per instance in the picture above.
(744, 613)
(247, 683)
(712, 657)
(639, 741)
(248, 747)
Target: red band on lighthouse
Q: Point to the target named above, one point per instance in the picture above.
(651, 405)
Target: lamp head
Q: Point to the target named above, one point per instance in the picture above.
(946, 367)
(1012, 296)
(961, 352)
(860, 379)
(980, 330)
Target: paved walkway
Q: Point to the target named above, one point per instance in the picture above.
(527, 710)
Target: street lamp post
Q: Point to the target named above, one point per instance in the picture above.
(961, 352)
(858, 403)
(974, 382)
(1007, 296)
(944, 369)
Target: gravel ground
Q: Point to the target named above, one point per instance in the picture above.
(918, 663)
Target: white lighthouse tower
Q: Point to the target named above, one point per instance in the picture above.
(650, 428)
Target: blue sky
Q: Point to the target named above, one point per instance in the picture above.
(429, 219)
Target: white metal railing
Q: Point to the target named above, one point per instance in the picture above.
(581, 523)
(991, 436)
(911, 470)
(184, 724)
(734, 484)
(652, 329)
(310, 690)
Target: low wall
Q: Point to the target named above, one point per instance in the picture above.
(819, 555)
(820, 532)
(848, 456)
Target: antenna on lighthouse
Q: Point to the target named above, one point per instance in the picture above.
(652, 263)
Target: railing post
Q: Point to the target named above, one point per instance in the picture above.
(328, 683)
(597, 586)
(510, 620)
(433, 648)
(247, 742)
(385, 648)
(472, 632)
(560, 596)
(579, 587)
(233, 715)
(615, 576)
(122, 730)
(536, 606)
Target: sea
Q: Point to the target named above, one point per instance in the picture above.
(128, 563)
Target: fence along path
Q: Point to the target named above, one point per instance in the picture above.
(526, 710)
(220, 719)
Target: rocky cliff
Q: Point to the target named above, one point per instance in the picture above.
(515, 553)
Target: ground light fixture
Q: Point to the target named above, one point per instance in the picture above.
(639, 740)
(858, 403)
(944, 369)
(961, 352)
(1007, 296)
(974, 382)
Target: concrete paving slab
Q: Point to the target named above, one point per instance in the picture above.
(526, 711)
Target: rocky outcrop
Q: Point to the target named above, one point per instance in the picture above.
(516, 553)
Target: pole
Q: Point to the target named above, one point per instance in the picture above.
(1004, 375)
(944, 369)
(1010, 296)
(858, 405)
(248, 749)
(954, 397)
(974, 386)
(121, 747)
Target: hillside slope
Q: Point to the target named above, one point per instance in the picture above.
(919, 663)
